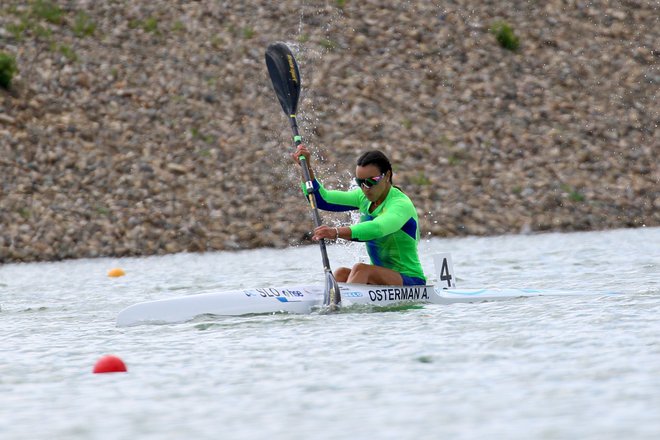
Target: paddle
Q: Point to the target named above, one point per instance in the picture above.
(284, 74)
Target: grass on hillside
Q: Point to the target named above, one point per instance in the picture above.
(8, 69)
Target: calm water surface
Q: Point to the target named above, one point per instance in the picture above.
(539, 368)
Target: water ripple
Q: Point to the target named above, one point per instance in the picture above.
(548, 367)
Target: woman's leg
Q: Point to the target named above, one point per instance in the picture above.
(341, 274)
(369, 274)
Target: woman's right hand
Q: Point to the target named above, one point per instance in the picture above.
(302, 151)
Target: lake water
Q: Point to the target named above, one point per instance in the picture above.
(584, 367)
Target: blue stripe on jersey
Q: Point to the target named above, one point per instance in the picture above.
(410, 228)
(372, 250)
(322, 204)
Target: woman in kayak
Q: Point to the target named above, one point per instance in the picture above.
(388, 223)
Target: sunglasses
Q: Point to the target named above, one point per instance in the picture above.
(368, 183)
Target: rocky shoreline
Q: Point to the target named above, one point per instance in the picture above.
(140, 129)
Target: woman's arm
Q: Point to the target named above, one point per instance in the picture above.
(327, 200)
(303, 151)
(390, 221)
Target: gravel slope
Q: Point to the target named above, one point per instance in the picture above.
(157, 131)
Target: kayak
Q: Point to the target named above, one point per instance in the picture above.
(305, 299)
(308, 298)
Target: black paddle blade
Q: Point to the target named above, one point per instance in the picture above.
(284, 74)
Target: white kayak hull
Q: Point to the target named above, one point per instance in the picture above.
(308, 298)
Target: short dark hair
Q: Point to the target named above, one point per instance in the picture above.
(377, 158)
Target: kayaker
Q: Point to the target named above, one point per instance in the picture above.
(388, 223)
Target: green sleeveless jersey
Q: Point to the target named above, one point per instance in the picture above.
(391, 231)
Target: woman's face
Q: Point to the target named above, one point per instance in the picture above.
(372, 172)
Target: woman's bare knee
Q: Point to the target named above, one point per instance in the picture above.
(359, 267)
(369, 274)
(359, 273)
(342, 274)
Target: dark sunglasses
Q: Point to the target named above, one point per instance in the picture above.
(368, 183)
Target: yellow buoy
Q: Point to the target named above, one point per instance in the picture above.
(116, 272)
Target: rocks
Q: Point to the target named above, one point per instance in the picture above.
(161, 133)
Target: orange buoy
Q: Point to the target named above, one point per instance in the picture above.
(110, 364)
(116, 272)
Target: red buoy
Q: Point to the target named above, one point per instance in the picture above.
(109, 364)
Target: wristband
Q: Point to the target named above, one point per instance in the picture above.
(336, 234)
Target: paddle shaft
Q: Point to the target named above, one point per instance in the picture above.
(309, 186)
(284, 74)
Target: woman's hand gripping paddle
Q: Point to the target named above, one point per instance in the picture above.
(284, 74)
